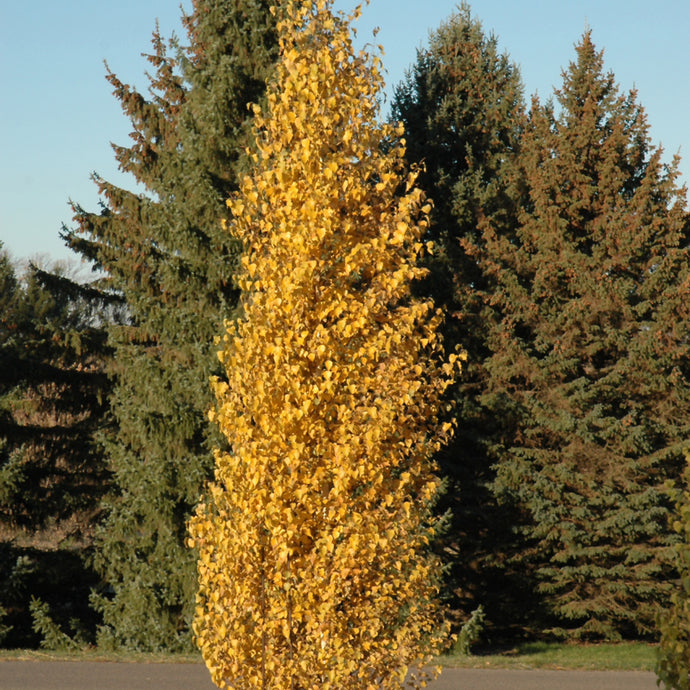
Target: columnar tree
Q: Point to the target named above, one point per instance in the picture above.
(462, 107)
(589, 371)
(165, 253)
(313, 568)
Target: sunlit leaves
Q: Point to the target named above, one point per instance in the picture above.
(313, 569)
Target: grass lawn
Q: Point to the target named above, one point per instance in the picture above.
(97, 655)
(624, 656)
(632, 656)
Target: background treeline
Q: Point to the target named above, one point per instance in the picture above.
(561, 265)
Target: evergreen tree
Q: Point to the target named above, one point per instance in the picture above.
(313, 567)
(165, 252)
(589, 365)
(673, 654)
(462, 108)
(53, 398)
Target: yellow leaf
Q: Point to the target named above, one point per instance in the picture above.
(330, 394)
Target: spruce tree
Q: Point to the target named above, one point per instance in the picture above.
(462, 107)
(54, 395)
(673, 654)
(53, 399)
(164, 251)
(313, 538)
(589, 365)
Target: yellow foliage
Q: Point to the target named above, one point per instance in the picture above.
(314, 570)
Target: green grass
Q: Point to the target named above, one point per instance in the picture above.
(627, 656)
(98, 655)
(624, 656)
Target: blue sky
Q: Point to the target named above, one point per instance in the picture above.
(58, 117)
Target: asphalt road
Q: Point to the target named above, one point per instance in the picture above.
(71, 675)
